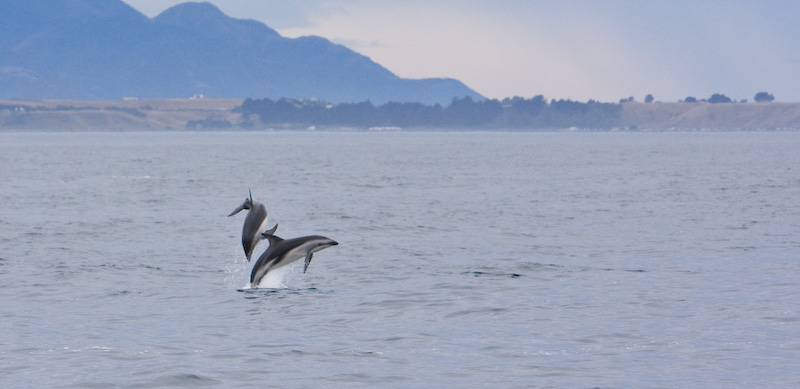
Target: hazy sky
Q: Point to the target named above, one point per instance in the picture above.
(579, 49)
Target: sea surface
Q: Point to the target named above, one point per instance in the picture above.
(465, 260)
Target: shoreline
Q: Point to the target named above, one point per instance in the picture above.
(219, 114)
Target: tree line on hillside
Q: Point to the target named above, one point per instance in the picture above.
(716, 98)
(517, 112)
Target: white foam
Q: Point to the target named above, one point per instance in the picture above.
(274, 279)
(238, 272)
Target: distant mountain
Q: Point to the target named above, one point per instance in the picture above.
(105, 50)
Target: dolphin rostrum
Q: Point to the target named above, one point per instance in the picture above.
(283, 252)
(253, 224)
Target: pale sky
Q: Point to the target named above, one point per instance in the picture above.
(577, 49)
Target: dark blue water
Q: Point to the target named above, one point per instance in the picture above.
(464, 260)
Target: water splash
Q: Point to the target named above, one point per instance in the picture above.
(237, 270)
(239, 276)
(276, 279)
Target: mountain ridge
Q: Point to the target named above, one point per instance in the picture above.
(105, 50)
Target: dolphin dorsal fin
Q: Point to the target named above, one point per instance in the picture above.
(271, 238)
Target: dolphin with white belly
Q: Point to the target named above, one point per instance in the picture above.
(283, 252)
(254, 224)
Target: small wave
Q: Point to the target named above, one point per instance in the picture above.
(131, 177)
(184, 380)
(492, 274)
(252, 293)
(356, 378)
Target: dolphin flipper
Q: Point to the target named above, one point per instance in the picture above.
(308, 260)
(245, 205)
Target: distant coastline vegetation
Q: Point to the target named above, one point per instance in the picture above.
(464, 112)
(461, 113)
(520, 114)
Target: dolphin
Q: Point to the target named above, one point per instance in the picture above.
(253, 224)
(283, 252)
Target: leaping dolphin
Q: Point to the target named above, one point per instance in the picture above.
(283, 252)
(254, 223)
